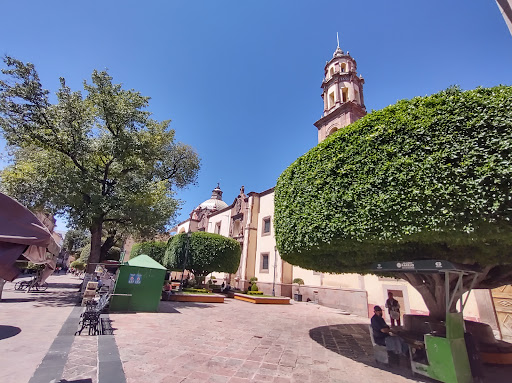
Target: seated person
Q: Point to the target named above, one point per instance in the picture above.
(382, 336)
(166, 286)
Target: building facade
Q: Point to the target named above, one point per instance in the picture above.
(250, 220)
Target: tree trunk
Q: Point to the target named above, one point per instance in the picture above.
(94, 257)
(109, 242)
(432, 290)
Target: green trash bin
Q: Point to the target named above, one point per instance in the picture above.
(138, 285)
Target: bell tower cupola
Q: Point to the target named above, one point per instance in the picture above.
(342, 94)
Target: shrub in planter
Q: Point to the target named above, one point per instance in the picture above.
(254, 287)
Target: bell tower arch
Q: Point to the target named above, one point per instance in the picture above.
(342, 92)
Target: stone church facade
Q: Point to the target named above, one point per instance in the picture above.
(250, 220)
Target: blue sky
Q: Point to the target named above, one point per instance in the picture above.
(240, 80)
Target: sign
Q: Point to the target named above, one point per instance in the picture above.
(135, 279)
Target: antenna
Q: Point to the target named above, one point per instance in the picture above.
(338, 39)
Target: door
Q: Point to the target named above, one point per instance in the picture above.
(502, 299)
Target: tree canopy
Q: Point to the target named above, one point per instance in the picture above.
(153, 249)
(202, 253)
(427, 178)
(96, 157)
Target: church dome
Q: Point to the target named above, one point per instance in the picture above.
(215, 202)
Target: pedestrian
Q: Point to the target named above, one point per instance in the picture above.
(393, 309)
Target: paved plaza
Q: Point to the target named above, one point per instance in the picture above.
(233, 342)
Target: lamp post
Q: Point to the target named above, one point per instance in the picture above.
(186, 259)
(275, 265)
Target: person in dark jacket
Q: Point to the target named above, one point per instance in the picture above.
(382, 336)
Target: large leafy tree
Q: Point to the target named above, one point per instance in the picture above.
(75, 240)
(153, 249)
(202, 253)
(96, 157)
(427, 178)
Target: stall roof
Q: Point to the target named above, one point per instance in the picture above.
(144, 260)
(420, 266)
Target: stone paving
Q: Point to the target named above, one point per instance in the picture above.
(37, 318)
(232, 342)
(241, 342)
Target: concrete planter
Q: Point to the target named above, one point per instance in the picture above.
(262, 300)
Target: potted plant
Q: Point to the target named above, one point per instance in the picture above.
(298, 296)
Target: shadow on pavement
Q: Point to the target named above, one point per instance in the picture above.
(88, 380)
(175, 307)
(8, 331)
(353, 341)
(16, 300)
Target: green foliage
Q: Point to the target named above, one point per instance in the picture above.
(84, 254)
(255, 292)
(35, 266)
(196, 291)
(253, 279)
(153, 249)
(75, 240)
(78, 265)
(254, 287)
(425, 178)
(298, 281)
(97, 157)
(205, 253)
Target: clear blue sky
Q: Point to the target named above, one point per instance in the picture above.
(241, 79)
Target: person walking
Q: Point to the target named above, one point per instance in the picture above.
(393, 309)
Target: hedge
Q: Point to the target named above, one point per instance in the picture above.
(426, 178)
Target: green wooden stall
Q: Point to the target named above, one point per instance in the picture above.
(138, 285)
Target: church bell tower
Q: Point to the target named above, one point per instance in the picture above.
(342, 94)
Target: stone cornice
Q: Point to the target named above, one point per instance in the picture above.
(342, 76)
(342, 109)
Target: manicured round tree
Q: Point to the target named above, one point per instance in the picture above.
(153, 249)
(427, 178)
(202, 253)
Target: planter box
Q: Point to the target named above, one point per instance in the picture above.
(204, 298)
(262, 300)
(297, 297)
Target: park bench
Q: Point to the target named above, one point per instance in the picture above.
(379, 352)
(91, 316)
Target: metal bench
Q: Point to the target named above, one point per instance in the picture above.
(91, 316)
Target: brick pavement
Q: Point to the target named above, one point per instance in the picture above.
(39, 317)
(240, 342)
(192, 342)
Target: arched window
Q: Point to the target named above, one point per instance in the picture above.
(343, 67)
(332, 71)
(332, 130)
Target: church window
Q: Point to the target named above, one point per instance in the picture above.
(344, 94)
(264, 263)
(332, 71)
(332, 131)
(356, 96)
(331, 99)
(217, 227)
(266, 226)
(343, 67)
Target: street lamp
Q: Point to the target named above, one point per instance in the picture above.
(275, 265)
(185, 260)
